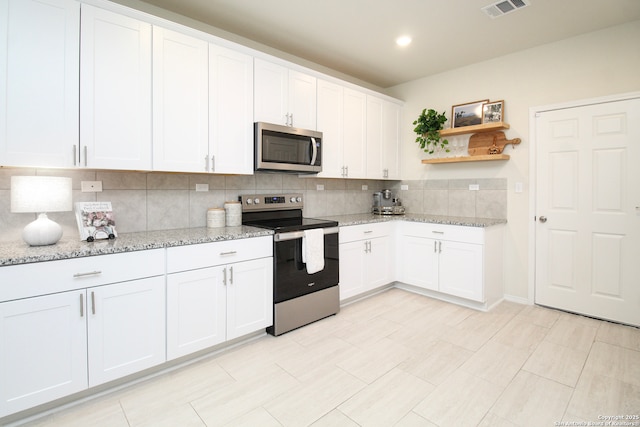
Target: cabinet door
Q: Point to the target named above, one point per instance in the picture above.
(126, 328)
(230, 111)
(39, 67)
(196, 310)
(302, 100)
(383, 126)
(378, 262)
(461, 270)
(330, 119)
(354, 134)
(271, 84)
(180, 102)
(375, 139)
(419, 262)
(352, 269)
(249, 296)
(115, 91)
(43, 355)
(391, 140)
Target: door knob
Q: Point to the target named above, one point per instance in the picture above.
(543, 219)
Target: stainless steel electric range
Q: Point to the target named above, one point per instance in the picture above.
(299, 298)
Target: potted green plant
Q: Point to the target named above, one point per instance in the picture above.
(428, 126)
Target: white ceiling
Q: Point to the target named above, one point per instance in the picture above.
(356, 37)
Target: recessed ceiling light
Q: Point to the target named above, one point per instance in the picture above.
(403, 40)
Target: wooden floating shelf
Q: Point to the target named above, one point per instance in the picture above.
(482, 158)
(487, 127)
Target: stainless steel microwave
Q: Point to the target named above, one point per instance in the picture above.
(287, 149)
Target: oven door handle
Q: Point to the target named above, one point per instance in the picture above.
(281, 237)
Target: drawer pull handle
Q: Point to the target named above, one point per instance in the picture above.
(90, 273)
(368, 232)
(437, 232)
(228, 253)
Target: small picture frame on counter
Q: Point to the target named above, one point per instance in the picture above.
(96, 221)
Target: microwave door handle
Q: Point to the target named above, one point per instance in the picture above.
(314, 149)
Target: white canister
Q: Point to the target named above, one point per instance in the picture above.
(233, 213)
(215, 217)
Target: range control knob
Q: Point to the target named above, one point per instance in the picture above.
(298, 199)
(292, 200)
(256, 201)
(249, 201)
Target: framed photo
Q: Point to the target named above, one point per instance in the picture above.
(468, 114)
(493, 112)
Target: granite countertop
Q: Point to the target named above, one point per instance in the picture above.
(18, 252)
(368, 218)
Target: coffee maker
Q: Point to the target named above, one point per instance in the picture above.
(384, 203)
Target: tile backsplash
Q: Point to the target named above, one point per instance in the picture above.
(145, 201)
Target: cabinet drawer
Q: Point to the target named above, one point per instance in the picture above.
(352, 233)
(27, 280)
(217, 253)
(454, 233)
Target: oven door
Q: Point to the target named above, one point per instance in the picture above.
(291, 279)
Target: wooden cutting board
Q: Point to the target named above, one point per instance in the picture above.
(481, 144)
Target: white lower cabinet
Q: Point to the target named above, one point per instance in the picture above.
(125, 328)
(43, 355)
(83, 331)
(464, 262)
(217, 292)
(366, 258)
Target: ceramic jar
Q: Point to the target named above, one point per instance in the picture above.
(233, 212)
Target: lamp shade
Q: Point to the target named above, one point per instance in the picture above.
(40, 194)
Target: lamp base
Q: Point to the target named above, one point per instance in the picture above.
(42, 231)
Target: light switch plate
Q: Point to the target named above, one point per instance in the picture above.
(365, 187)
(91, 186)
(320, 187)
(202, 187)
(404, 187)
(474, 187)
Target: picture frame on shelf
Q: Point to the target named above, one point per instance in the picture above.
(468, 114)
(493, 112)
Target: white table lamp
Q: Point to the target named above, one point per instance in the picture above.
(41, 194)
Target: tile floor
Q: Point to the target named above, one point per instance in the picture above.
(396, 359)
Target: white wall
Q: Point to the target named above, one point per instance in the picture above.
(596, 64)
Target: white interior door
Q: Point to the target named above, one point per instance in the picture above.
(588, 210)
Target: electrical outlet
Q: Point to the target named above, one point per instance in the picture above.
(202, 187)
(91, 186)
(404, 187)
(474, 187)
(320, 187)
(518, 187)
(365, 187)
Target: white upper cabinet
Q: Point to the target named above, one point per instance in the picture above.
(180, 102)
(39, 65)
(342, 121)
(283, 96)
(115, 91)
(230, 111)
(383, 137)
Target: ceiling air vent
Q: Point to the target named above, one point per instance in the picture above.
(501, 8)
